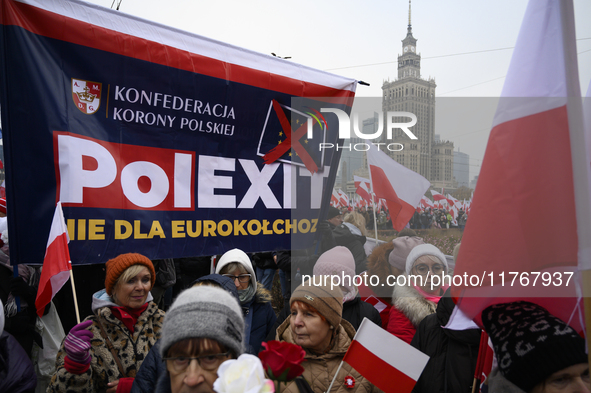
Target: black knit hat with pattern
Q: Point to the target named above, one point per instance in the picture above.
(332, 212)
(530, 343)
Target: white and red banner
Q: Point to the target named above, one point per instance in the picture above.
(398, 185)
(512, 237)
(56, 264)
(385, 360)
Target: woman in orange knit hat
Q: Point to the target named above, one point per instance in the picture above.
(104, 353)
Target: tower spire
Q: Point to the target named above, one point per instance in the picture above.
(409, 23)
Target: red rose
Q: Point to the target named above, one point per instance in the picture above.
(281, 360)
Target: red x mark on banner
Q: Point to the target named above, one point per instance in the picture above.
(292, 141)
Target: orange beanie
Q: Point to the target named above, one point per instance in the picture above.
(117, 265)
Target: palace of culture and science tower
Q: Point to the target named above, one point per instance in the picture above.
(431, 158)
(411, 93)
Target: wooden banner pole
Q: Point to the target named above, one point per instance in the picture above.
(75, 298)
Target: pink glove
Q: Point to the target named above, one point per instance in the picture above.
(77, 343)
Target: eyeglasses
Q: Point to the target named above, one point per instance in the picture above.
(423, 269)
(242, 278)
(179, 364)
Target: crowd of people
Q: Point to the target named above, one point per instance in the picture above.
(134, 342)
(439, 218)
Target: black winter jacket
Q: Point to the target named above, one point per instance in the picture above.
(453, 353)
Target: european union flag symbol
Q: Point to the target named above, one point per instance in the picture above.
(285, 137)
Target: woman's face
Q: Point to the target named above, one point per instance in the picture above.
(573, 379)
(427, 267)
(309, 330)
(192, 376)
(134, 292)
(237, 272)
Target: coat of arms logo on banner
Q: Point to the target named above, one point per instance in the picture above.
(86, 95)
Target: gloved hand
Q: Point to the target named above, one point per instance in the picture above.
(323, 227)
(77, 343)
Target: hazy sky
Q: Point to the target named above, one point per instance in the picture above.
(465, 45)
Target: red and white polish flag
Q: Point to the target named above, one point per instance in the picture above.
(56, 264)
(363, 191)
(334, 198)
(385, 360)
(437, 196)
(343, 198)
(399, 186)
(358, 180)
(426, 202)
(536, 147)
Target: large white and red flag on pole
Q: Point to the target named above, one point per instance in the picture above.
(399, 186)
(56, 264)
(385, 360)
(522, 250)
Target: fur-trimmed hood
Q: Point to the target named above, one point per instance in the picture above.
(411, 303)
(262, 294)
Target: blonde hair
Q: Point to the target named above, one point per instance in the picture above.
(358, 220)
(128, 274)
(206, 283)
(233, 265)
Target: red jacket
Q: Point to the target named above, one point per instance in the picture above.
(400, 326)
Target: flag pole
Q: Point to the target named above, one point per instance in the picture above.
(75, 298)
(578, 155)
(372, 196)
(335, 376)
(587, 297)
(480, 360)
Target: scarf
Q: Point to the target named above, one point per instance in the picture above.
(128, 316)
(246, 295)
(430, 297)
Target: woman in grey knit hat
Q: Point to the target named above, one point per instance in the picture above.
(202, 329)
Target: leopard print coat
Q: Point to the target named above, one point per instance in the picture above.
(131, 349)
